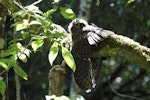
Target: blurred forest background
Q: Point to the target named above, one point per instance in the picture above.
(118, 76)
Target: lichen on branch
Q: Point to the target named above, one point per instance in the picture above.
(115, 45)
(118, 45)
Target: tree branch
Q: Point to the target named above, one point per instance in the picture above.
(12, 5)
(117, 45)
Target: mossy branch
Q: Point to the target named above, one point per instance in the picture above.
(118, 45)
(11, 5)
(115, 45)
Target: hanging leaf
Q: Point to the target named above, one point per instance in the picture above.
(23, 53)
(129, 2)
(19, 71)
(51, 11)
(4, 65)
(22, 57)
(53, 53)
(21, 25)
(68, 58)
(2, 88)
(20, 13)
(36, 44)
(67, 13)
(35, 22)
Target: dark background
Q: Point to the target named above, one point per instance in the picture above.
(118, 76)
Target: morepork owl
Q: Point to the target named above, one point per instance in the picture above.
(85, 37)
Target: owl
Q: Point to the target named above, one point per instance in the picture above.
(85, 38)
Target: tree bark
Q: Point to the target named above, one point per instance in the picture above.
(11, 5)
(118, 45)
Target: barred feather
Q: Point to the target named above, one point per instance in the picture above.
(85, 37)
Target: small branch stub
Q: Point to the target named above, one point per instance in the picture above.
(56, 79)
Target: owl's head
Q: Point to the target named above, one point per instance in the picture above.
(76, 26)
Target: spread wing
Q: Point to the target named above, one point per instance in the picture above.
(96, 34)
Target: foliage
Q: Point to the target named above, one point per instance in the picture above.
(36, 27)
(35, 40)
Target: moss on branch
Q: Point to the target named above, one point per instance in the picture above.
(11, 5)
(117, 45)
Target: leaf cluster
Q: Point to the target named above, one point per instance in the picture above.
(34, 28)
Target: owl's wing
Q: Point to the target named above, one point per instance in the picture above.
(96, 68)
(96, 34)
(82, 74)
(87, 72)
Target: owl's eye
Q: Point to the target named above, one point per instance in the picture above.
(82, 25)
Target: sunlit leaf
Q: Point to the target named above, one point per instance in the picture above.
(21, 13)
(22, 57)
(36, 44)
(20, 25)
(51, 11)
(23, 49)
(55, 1)
(34, 22)
(24, 34)
(67, 13)
(4, 65)
(68, 58)
(26, 52)
(53, 53)
(129, 2)
(34, 9)
(23, 53)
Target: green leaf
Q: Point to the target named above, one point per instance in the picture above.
(129, 2)
(44, 23)
(21, 13)
(51, 11)
(67, 13)
(10, 51)
(22, 57)
(19, 71)
(36, 44)
(23, 53)
(21, 25)
(35, 22)
(2, 87)
(34, 9)
(4, 65)
(68, 58)
(98, 2)
(55, 1)
(53, 53)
